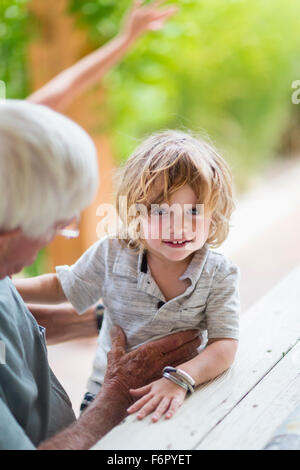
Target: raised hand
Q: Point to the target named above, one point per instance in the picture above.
(146, 17)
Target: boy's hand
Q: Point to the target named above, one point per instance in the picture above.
(142, 18)
(163, 396)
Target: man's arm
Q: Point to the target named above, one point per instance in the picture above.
(63, 323)
(124, 371)
(106, 412)
(61, 90)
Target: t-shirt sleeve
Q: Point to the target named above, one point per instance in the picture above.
(82, 282)
(12, 436)
(223, 304)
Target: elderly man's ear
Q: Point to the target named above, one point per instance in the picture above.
(9, 235)
(16, 251)
(8, 242)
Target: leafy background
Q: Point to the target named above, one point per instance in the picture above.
(14, 37)
(220, 67)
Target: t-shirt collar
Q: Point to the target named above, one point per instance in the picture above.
(130, 263)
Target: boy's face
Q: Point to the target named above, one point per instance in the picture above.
(183, 221)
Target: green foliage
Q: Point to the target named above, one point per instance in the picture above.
(225, 66)
(14, 34)
(38, 267)
(14, 37)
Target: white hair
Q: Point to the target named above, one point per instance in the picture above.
(48, 168)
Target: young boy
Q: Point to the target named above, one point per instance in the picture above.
(162, 276)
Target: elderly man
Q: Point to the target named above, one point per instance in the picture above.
(47, 174)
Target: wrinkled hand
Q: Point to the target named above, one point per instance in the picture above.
(143, 365)
(142, 18)
(162, 396)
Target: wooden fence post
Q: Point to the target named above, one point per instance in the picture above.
(59, 45)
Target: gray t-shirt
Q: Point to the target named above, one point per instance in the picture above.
(133, 300)
(33, 404)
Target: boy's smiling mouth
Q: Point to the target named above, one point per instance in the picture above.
(176, 243)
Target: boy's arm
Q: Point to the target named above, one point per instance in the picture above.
(44, 289)
(217, 357)
(61, 90)
(63, 323)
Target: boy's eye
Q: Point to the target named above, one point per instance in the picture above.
(194, 211)
(159, 211)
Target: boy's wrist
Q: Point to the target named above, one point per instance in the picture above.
(180, 378)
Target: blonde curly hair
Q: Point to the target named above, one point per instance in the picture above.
(177, 158)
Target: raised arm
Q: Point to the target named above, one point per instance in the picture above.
(44, 289)
(62, 89)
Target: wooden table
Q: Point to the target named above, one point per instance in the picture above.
(242, 408)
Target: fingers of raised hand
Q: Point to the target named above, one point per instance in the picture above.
(157, 20)
(137, 3)
(156, 4)
(149, 7)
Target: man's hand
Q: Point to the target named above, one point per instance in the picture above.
(124, 371)
(145, 364)
(142, 18)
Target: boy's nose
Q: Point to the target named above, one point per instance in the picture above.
(176, 225)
